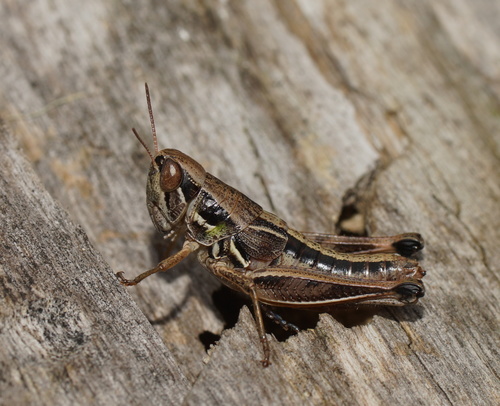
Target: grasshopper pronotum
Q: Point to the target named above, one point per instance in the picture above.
(255, 252)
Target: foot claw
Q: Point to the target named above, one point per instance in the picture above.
(265, 363)
(124, 281)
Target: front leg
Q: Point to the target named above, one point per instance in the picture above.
(167, 263)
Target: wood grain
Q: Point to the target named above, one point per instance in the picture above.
(376, 116)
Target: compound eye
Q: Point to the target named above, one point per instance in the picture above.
(171, 175)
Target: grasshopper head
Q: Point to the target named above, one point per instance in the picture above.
(174, 180)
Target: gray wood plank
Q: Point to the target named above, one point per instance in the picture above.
(309, 108)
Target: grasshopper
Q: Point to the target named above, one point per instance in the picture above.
(255, 252)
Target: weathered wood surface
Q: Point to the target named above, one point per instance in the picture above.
(307, 107)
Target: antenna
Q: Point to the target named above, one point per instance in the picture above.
(151, 118)
(143, 144)
(153, 128)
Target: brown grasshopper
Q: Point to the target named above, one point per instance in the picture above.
(255, 252)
